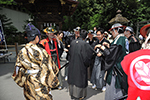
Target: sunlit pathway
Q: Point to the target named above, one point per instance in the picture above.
(9, 90)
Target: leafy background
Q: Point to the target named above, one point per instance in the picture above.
(91, 13)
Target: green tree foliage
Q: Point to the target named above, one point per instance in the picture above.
(10, 31)
(143, 10)
(7, 25)
(7, 2)
(90, 13)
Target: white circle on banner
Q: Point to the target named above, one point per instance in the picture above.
(136, 64)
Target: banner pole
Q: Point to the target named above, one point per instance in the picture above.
(3, 35)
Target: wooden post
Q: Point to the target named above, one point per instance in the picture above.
(16, 48)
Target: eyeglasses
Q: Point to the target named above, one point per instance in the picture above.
(98, 34)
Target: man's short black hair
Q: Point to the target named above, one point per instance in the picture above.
(83, 33)
(101, 30)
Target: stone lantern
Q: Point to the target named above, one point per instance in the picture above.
(119, 19)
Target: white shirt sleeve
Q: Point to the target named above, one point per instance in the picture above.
(59, 46)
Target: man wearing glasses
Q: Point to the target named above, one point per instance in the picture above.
(97, 78)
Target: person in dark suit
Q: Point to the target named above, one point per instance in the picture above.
(80, 53)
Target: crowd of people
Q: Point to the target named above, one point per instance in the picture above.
(111, 65)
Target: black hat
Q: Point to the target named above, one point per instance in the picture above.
(32, 32)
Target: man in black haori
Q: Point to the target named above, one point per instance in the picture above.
(80, 54)
(116, 79)
(134, 43)
(90, 39)
(97, 78)
(68, 41)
